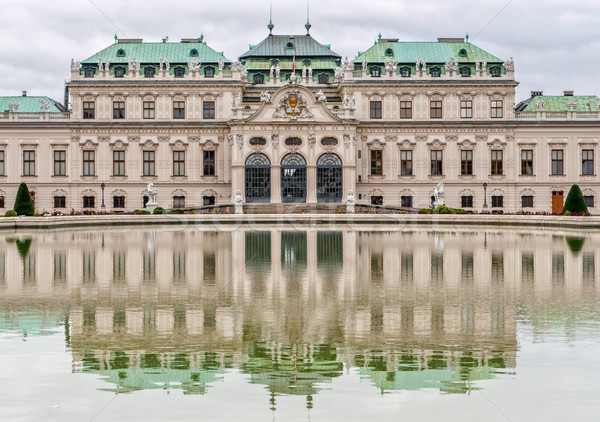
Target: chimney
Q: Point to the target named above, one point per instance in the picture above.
(568, 93)
(451, 40)
(537, 93)
(24, 93)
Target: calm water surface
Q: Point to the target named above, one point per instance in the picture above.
(300, 324)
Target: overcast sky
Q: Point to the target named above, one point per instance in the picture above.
(555, 43)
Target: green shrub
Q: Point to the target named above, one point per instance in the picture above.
(575, 202)
(141, 212)
(23, 201)
(11, 213)
(442, 209)
(158, 210)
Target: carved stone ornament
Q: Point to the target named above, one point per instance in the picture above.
(321, 97)
(338, 72)
(421, 138)
(265, 97)
(178, 145)
(435, 144)
(149, 145)
(390, 65)
(451, 138)
(312, 140)
(391, 138)
(466, 144)
(230, 139)
(194, 65)
(406, 144)
(237, 66)
(348, 65)
(275, 140)
(509, 65)
(133, 65)
(451, 65)
(89, 144)
(239, 139)
(118, 144)
(75, 66)
(210, 145)
(293, 106)
(496, 144)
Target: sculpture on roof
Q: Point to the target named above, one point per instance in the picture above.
(106, 64)
(265, 97)
(237, 66)
(277, 71)
(321, 96)
(338, 72)
(272, 73)
(133, 65)
(310, 73)
(390, 65)
(220, 64)
(348, 65)
(100, 65)
(509, 65)
(75, 66)
(194, 65)
(304, 72)
(451, 65)
(167, 65)
(364, 64)
(540, 105)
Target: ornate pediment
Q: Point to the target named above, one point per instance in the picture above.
(292, 105)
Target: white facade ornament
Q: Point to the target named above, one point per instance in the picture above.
(509, 65)
(451, 65)
(275, 140)
(353, 102)
(350, 202)
(220, 64)
(293, 106)
(239, 101)
(304, 72)
(540, 105)
(312, 140)
(390, 65)
(346, 101)
(321, 96)
(237, 66)
(133, 65)
(310, 73)
(47, 106)
(75, 66)
(239, 202)
(438, 194)
(100, 65)
(151, 204)
(167, 65)
(338, 72)
(347, 140)
(239, 140)
(272, 73)
(348, 65)
(265, 97)
(277, 72)
(230, 139)
(244, 73)
(364, 64)
(194, 65)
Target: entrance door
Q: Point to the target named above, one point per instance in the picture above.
(557, 202)
(293, 178)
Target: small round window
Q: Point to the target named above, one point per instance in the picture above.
(293, 141)
(389, 52)
(289, 45)
(194, 52)
(120, 52)
(258, 141)
(462, 52)
(329, 141)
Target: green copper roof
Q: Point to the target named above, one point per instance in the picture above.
(277, 46)
(27, 104)
(286, 64)
(153, 52)
(432, 52)
(558, 103)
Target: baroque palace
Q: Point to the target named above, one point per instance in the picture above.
(291, 121)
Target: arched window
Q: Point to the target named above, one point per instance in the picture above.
(323, 78)
(389, 52)
(258, 141)
(194, 52)
(120, 52)
(293, 178)
(179, 72)
(405, 72)
(329, 178)
(149, 72)
(462, 52)
(209, 72)
(289, 45)
(259, 78)
(119, 72)
(495, 71)
(465, 72)
(376, 71)
(293, 141)
(89, 72)
(258, 178)
(436, 72)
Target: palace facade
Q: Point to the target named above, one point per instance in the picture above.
(291, 121)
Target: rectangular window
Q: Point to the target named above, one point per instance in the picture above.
(557, 162)
(149, 163)
(466, 162)
(60, 163)
(406, 201)
(2, 202)
(435, 109)
(2, 168)
(149, 109)
(497, 162)
(208, 109)
(496, 110)
(88, 201)
(118, 163)
(209, 163)
(375, 107)
(527, 201)
(60, 202)
(527, 162)
(466, 109)
(497, 201)
(178, 163)
(406, 109)
(179, 110)
(118, 202)
(466, 202)
(406, 163)
(589, 200)
(178, 201)
(436, 163)
(376, 162)
(89, 163)
(28, 163)
(587, 162)
(89, 110)
(118, 109)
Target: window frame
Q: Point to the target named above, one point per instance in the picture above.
(496, 109)
(179, 163)
(87, 162)
(29, 163)
(2, 162)
(406, 201)
(178, 201)
(436, 110)
(526, 201)
(60, 162)
(497, 162)
(89, 112)
(466, 201)
(466, 162)
(497, 201)
(208, 163)
(118, 201)
(149, 109)
(60, 201)
(466, 109)
(118, 110)
(557, 166)
(406, 162)
(526, 162)
(589, 200)
(587, 163)
(179, 109)
(376, 109)
(208, 109)
(149, 163)
(436, 157)
(376, 162)
(89, 202)
(406, 109)
(119, 163)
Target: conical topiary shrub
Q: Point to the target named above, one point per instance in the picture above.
(575, 201)
(23, 201)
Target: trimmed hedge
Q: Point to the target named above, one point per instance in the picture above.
(11, 213)
(575, 202)
(23, 201)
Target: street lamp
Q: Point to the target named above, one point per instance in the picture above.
(484, 195)
(103, 186)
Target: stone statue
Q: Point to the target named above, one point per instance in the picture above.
(348, 65)
(106, 64)
(47, 106)
(346, 101)
(272, 72)
(134, 66)
(310, 73)
(239, 202)
(100, 65)
(194, 65)
(233, 102)
(451, 65)
(353, 102)
(237, 66)
(364, 64)
(338, 72)
(265, 97)
(277, 72)
(239, 100)
(220, 64)
(230, 139)
(350, 202)
(244, 72)
(167, 65)
(321, 96)
(151, 193)
(275, 140)
(438, 194)
(238, 197)
(391, 65)
(312, 140)
(304, 72)
(75, 66)
(239, 139)
(41, 106)
(509, 65)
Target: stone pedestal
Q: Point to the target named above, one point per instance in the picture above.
(151, 206)
(239, 208)
(350, 207)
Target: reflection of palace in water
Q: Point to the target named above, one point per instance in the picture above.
(293, 309)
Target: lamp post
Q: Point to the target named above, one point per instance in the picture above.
(484, 195)
(103, 186)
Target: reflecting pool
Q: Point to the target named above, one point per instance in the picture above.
(299, 323)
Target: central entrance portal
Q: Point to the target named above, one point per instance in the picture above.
(293, 178)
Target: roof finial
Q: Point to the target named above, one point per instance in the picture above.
(116, 38)
(380, 36)
(467, 37)
(307, 25)
(270, 25)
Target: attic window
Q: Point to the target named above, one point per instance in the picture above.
(209, 72)
(259, 78)
(119, 72)
(405, 72)
(149, 72)
(179, 72)
(120, 52)
(389, 52)
(89, 72)
(306, 62)
(289, 45)
(435, 72)
(194, 52)
(462, 52)
(465, 72)
(274, 62)
(323, 78)
(375, 72)
(495, 71)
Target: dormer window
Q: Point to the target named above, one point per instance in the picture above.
(119, 72)
(89, 72)
(375, 72)
(194, 52)
(405, 72)
(495, 71)
(306, 62)
(120, 52)
(289, 45)
(259, 78)
(462, 52)
(465, 72)
(209, 72)
(149, 72)
(435, 72)
(389, 52)
(274, 62)
(179, 72)
(323, 78)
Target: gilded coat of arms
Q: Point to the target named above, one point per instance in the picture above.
(292, 105)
